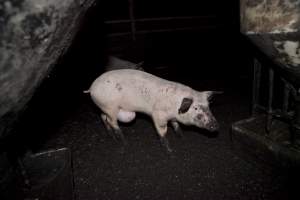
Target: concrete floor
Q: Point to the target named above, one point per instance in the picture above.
(203, 166)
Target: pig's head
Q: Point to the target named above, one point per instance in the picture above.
(194, 110)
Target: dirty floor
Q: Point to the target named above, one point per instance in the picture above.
(203, 165)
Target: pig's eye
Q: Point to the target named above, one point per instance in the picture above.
(196, 108)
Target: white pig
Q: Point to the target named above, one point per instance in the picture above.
(121, 93)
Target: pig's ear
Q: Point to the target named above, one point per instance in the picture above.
(185, 105)
(211, 94)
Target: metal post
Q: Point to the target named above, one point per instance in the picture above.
(286, 95)
(256, 85)
(270, 100)
(24, 174)
(295, 133)
(132, 19)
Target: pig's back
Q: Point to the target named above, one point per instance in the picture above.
(133, 89)
(131, 75)
(126, 79)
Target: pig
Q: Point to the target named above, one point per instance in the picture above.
(121, 93)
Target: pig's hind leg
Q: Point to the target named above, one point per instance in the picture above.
(113, 123)
(107, 126)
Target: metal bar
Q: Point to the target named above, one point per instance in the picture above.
(295, 121)
(256, 85)
(157, 19)
(160, 31)
(132, 19)
(24, 174)
(292, 89)
(286, 95)
(295, 133)
(270, 100)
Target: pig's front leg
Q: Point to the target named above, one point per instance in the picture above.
(177, 128)
(161, 126)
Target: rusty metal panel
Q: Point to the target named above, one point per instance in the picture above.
(270, 16)
(273, 26)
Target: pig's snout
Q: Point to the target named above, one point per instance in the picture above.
(206, 120)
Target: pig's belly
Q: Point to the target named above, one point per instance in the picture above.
(125, 116)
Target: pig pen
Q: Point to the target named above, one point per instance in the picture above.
(59, 148)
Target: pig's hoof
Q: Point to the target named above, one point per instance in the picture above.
(122, 150)
(165, 143)
(110, 133)
(169, 150)
(124, 142)
(119, 134)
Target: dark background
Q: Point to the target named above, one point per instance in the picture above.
(206, 52)
(209, 48)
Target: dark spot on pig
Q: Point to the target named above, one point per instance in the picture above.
(118, 86)
(145, 91)
(185, 105)
(199, 116)
(205, 109)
